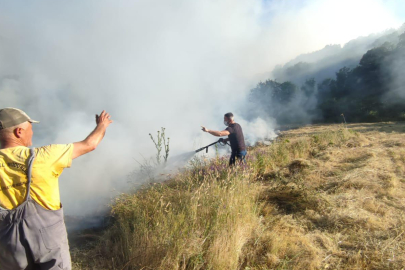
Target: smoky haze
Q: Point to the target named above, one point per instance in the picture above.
(151, 64)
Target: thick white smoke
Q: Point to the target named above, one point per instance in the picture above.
(151, 64)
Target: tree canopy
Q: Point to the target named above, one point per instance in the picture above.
(374, 90)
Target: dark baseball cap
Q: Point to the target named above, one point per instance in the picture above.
(10, 117)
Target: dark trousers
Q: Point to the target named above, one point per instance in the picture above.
(237, 156)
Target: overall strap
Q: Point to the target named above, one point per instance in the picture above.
(29, 172)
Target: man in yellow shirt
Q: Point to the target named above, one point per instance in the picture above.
(32, 230)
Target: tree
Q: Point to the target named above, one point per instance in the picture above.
(309, 87)
(401, 43)
(287, 92)
(373, 59)
(342, 87)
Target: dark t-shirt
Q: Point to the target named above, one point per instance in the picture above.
(236, 137)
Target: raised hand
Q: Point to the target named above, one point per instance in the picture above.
(103, 119)
(91, 142)
(204, 129)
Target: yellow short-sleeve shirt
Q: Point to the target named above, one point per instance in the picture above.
(49, 163)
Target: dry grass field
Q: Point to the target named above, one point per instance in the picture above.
(319, 197)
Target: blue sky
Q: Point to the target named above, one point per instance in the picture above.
(397, 7)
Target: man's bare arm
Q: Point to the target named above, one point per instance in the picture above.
(95, 137)
(216, 133)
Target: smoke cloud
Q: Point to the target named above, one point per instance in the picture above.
(151, 64)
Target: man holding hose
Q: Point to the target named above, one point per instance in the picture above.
(235, 138)
(32, 229)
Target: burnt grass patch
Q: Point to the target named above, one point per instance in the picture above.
(291, 200)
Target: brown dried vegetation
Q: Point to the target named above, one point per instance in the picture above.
(320, 197)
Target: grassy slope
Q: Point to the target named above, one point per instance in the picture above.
(320, 197)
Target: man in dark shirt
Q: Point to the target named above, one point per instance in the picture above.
(235, 137)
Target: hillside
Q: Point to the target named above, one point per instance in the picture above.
(363, 80)
(319, 197)
(324, 63)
